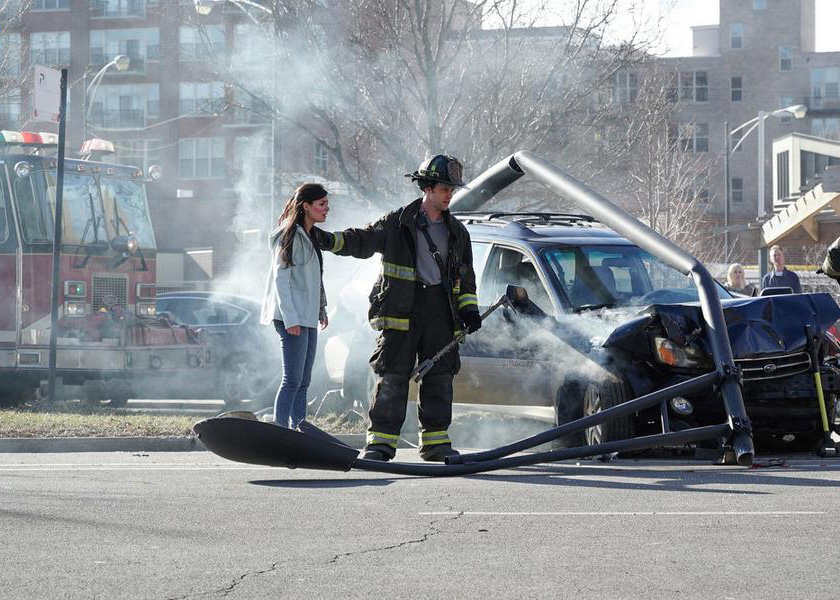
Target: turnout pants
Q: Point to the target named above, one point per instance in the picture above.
(397, 353)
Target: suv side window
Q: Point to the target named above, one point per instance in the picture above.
(506, 266)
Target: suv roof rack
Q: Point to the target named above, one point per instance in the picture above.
(528, 218)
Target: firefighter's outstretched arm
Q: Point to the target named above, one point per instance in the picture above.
(359, 242)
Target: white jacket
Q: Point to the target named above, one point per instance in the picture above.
(294, 293)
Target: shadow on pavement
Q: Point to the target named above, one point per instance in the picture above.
(329, 483)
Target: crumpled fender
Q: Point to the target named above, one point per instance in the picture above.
(756, 326)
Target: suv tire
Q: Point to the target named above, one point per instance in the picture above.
(601, 396)
(568, 407)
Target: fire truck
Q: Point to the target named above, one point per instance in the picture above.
(108, 334)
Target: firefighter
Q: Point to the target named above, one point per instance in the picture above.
(425, 294)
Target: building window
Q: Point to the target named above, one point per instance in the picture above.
(784, 102)
(736, 190)
(201, 158)
(624, 88)
(690, 137)
(138, 153)
(139, 45)
(828, 128)
(49, 5)
(825, 85)
(207, 98)
(782, 175)
(10, 112)
(694, 86)
(322, 158)
(125, 106)
(785, 58)
(50, 48)
(736, 36)
(117, 8)
(200, 43)
(10, 51)
(759, 4)
(737, 89)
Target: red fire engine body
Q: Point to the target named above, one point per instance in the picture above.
(107, 329)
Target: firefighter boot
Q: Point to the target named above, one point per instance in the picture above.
(387, 412)
(377, 452)
(435, 414)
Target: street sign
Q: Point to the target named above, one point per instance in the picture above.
(47, 94)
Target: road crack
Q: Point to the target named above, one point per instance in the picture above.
(434, 530)
(225, 591)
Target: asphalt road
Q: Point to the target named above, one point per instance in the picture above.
(192, 525)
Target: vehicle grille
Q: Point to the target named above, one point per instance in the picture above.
(109, 290)
(774, 367)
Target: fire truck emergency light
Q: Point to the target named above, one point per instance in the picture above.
(28, 138)
(97, 145)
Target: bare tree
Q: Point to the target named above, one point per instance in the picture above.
(12, 78)
(392, 81)
(667, 167)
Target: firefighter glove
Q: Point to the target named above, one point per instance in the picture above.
(472, 320)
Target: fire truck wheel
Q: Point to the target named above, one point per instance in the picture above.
(240, 379)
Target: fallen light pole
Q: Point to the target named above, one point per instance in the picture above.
(246, 439)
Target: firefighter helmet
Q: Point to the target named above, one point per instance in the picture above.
(439, 169)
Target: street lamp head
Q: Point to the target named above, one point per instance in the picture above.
(797, 110)
(122, 62)
(203, 7)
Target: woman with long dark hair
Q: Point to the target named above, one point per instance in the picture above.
(294, 300)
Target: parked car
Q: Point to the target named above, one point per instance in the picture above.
(245, 360)
(606, 322)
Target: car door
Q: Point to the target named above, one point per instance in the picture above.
(504, 365)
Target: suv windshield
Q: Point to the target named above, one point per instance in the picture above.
(614, 276)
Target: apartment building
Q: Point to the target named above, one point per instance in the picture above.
(760, 57)
(165, 108)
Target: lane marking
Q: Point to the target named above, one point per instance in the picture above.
(136, 468)
(700, 513)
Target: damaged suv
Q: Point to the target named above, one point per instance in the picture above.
(605, 322)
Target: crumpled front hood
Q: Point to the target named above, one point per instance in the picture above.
(757, 326)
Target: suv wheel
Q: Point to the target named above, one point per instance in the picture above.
(601, 396)
(568, 407)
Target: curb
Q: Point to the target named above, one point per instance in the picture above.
(126, 444)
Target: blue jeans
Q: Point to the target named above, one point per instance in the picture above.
(298, 356)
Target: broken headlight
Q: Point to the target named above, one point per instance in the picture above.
(671, 353)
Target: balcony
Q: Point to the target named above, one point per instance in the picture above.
(821, 105)
(98, 60)
(118, 119)
(117, 8)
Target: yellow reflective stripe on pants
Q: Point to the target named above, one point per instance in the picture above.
(430, 438)
(397, 323)
(386, 439)
(398, 271)
(338, 242)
